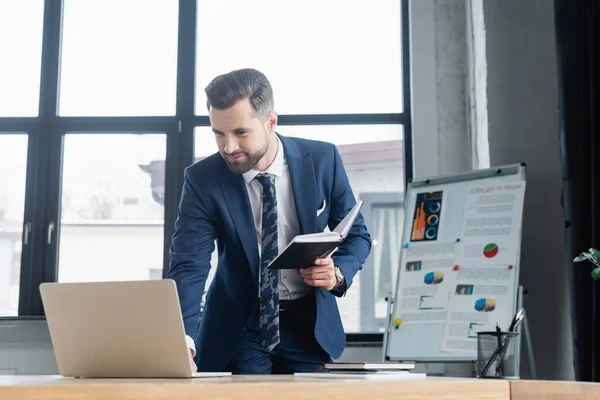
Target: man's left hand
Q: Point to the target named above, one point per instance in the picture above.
(322, 274)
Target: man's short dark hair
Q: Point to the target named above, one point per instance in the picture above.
(225, 90)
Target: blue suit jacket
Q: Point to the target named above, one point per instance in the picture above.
(215, 205)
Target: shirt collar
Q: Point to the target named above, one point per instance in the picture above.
(276, 167)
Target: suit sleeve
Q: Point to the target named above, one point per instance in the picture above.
(191, 250)
(353, 252)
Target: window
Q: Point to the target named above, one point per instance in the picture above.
(98, 194)
(21, 59)
(103, 235)
(322, 57)
(119, 57)
(13, 167)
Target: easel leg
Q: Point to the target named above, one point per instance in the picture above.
(526, 333)
(390, 301)
(529, 347)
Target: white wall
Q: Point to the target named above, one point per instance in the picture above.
(439, 71)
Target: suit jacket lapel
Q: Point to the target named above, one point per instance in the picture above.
(236, 198)
(302, 174)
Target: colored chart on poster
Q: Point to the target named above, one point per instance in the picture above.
(434, 278)
(464, 290)
(426, 221)
(490, 250)
(485, 305)
(414, 266)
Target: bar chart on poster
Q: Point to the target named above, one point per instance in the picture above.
(459, 265)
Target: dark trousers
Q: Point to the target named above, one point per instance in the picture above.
(297, 351)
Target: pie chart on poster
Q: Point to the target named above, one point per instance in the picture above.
(490, 250)
(485, 305)
(434, 278)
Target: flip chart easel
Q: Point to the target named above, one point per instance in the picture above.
(474, 209)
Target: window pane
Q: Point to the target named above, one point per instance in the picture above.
(321, 57)
(13, 169)
(373, 159)
(204, 142)
(385, 228)
(21, 48)
(112, 217)
(119, 57)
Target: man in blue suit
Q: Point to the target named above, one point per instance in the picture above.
(252, 197)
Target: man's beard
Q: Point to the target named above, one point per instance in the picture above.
(250, 160)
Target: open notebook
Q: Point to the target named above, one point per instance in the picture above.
(304, 249)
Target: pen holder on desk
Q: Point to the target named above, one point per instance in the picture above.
(497, 355)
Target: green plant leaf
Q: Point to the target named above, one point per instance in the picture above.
(595, 255)
(596, 273)
(583, 256)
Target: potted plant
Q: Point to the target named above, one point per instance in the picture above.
(593, 256)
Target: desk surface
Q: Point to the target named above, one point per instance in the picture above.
(290, 387)
(251, 387)
(554, 390)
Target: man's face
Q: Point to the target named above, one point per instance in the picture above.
(242, 137)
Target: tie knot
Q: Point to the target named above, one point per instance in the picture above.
(267, 180)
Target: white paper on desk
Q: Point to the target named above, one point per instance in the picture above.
(210, 374)
(387, 376)
(427, 276)
(480, 298)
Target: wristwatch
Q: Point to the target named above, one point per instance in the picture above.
(339, 278)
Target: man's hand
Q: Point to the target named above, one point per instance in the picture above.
(322, 274)
(192, 363)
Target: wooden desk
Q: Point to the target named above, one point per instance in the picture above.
(250, 387)
(554, 390)
(290, 387)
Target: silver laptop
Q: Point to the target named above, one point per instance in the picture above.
(127, 329)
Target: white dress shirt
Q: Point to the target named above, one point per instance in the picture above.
(291, 284)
